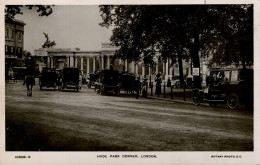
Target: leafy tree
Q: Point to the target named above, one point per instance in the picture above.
(12, 10)
(236, 41)
(48, 43)
(176, 31)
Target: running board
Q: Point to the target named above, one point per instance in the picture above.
(215, 100)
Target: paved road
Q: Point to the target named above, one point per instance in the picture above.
(84, 121)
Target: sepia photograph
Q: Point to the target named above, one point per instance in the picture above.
(130, 81)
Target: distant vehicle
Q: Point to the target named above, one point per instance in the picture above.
(108, 81)
(70, 79)
(230, 86)
(91, 80)
(127, 82)
(48, 78)
(19, 73)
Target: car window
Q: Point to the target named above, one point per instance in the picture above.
(234, 76)
(227, 75)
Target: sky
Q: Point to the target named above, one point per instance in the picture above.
(69, 26)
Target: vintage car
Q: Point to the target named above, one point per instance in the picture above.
(19, 73)
(91, 80)
(108, 81)
(127, 82)
(48, 78)
(70, 79)
(229, 86)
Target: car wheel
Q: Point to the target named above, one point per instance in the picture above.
(233, 101)
(196, 98)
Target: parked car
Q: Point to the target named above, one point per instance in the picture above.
(48, 78)
(70, 79)
(229, 86)
(19, 73)
(91, 80)
(127, 82)
(108, 81)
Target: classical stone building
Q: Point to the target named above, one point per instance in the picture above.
(93, 61)
(14, 44)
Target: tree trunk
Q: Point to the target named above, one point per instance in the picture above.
(180, 67)
(196, 60)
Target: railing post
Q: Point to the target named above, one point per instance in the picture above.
(164, 94)
(171, 92)
(151, 88)
(184, 93)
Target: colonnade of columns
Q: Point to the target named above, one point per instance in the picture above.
(104, 63)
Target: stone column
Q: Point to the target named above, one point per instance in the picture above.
(157, 65)
(171, 67)
(94, 64)
(163, 68)
(71, 61)
(102, 62)
(48, 62)
(81, 63)
(167, 69)
(143, 70)
(136, 69)
(87, 65)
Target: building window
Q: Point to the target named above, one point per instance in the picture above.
(19, 52)
(12, 50)
(12, 34)
(19, 36)
(6, 49)
(7, 33)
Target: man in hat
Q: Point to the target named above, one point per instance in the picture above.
(137, 86)
(158, 81)
(144, 88)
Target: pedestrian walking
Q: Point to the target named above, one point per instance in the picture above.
(169, 82)
(144, 88)
(158, 81)
(137, 86)
(29, 81)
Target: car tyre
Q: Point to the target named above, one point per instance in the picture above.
(196, 98)
(233, 101)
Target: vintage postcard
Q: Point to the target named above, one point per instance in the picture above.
(128, 82)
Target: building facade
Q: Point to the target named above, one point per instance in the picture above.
(14, 44)
(93, 61)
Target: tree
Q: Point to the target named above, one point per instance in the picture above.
(48, 43)
(236, 46)
(12, 10)
(176, 31)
